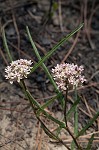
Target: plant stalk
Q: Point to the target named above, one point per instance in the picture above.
(65, 118)
(47, 131)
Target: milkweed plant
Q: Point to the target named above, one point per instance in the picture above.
(63, 77)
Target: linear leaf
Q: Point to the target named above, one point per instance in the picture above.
(6, 46)
(43, 111)
(55, 48)
(90, 142)
(43, 65)
(75, 120)
(88, 125)
(72, 108)
(49, 102)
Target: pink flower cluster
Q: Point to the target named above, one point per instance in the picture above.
(18, 70)
(67, 75)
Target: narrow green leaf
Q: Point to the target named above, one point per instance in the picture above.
(76, 115)
(55, 6)
(88, 125)
(75, 121)
(56, 47)
(6, 46)
(72, 145)
(90, 142)
(75, 127)
(43, 111)
(39, 58)
(43, 65)
(72, 108)
(48, 102)
(33, 44)
(50, 134)
(49, 54)
(58, 130)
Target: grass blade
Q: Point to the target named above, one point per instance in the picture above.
(75, 121)
(72, 108)
(6, 46)
(88, 125)
(39, 58)
(76, 115)
(48, 102)
(55, 48)
(37, 105)
(43, 65)
(90, 142)
(43, 111)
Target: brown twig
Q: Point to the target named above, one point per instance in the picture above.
(87, 106)
(40, 140)
(21, 51)
(86, 25)
(37, 137)
(12, 140)
(74, 43)
(18, 6)
(37, 18)
(17, 31)
(60, 16)
(15, 25)
(72, 47)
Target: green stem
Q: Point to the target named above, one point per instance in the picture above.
(43, 65)
(6, 46)
(65, 117)
(47, 131)
(43, 111)
(76, 117)
(75, 121)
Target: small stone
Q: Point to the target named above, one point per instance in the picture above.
(10, 31)
(46, 41)
(59, 115)
(19, 135)
(50, 88)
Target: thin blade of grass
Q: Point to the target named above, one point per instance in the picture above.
(39, 58)
(75, 121)
(34, 102)
(43, 65)
(56, 47)
(6, 46)
(90, 142)
(76, 115)
(72, 108)
(43, 111)
(49, 102)
(58, 130)
(75, 127)
(51, 135)
(88, 125)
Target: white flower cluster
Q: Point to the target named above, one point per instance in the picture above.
(67, 75)
(18, 70)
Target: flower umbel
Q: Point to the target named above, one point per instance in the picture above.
(67, 75)
(18, 70)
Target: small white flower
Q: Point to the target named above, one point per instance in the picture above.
(18, 70)
(67, 75)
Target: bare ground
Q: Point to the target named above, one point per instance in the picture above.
(19, 128)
